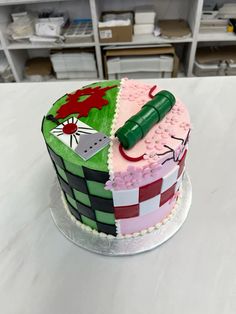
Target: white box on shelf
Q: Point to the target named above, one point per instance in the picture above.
(145, 15)
(142, 29)
(77, 61)
(140, 64)
(140, 75)
(76, 75)
(222, 68)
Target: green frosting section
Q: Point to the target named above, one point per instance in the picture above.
(62, 173)
(89, 222)
(82, 197)
(100, 120)
(107, 218)
(97, 189)
(71, 200)
(75, 169)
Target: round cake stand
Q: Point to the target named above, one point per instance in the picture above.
(120, 246)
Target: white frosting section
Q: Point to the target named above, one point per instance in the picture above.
(149, 205)
(125, 197)
(170, 179)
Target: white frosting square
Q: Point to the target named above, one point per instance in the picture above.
(170, 179)
(126, 197)
(178, 183)
(149, 205)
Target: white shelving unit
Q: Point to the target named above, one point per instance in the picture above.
(17, 53)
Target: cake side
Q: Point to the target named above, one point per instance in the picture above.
(83, 182)
(110, 193)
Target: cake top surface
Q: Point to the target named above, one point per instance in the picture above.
(100, 120)
(105, 107)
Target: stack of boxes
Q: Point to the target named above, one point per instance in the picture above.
(144, 20)
(74, 64)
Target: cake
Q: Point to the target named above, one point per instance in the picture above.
(120, 171)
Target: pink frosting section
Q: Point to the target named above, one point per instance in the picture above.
(127, 175)
(136, 224)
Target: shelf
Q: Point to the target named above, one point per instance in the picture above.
(27, 45)
(15, 2)
(17, 52)
(54, 79)
(149, 40)
(217, 37)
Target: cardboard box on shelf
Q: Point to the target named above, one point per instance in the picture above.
(215, 60)
(216, 54)
(143, 51)
(38, 69)
(38, 66)
(111, 34)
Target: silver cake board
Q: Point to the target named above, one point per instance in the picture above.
(112, 246)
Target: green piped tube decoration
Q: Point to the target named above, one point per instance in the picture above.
(136, 127)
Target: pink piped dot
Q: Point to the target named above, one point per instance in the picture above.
(158, 147)
(155, 158)
(147, 140)
(158, 131)
(164, 135)
(150, 146)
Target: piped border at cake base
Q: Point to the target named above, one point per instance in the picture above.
(100, 243)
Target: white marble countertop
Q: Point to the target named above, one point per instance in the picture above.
(41, 272)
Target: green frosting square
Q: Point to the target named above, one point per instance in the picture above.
(89, 222)
(82, 198)
(61, 173)
(97, 189)
(107, 218)
(71, 200)
(75, 169)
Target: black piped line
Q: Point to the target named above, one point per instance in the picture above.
(75, 139)
(85, 128)
(167, 160)
(71, 139)
(173, 152)
(187, 137)
(178, 138)
(83, 132)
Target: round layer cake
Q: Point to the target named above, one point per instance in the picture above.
(106, 187)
